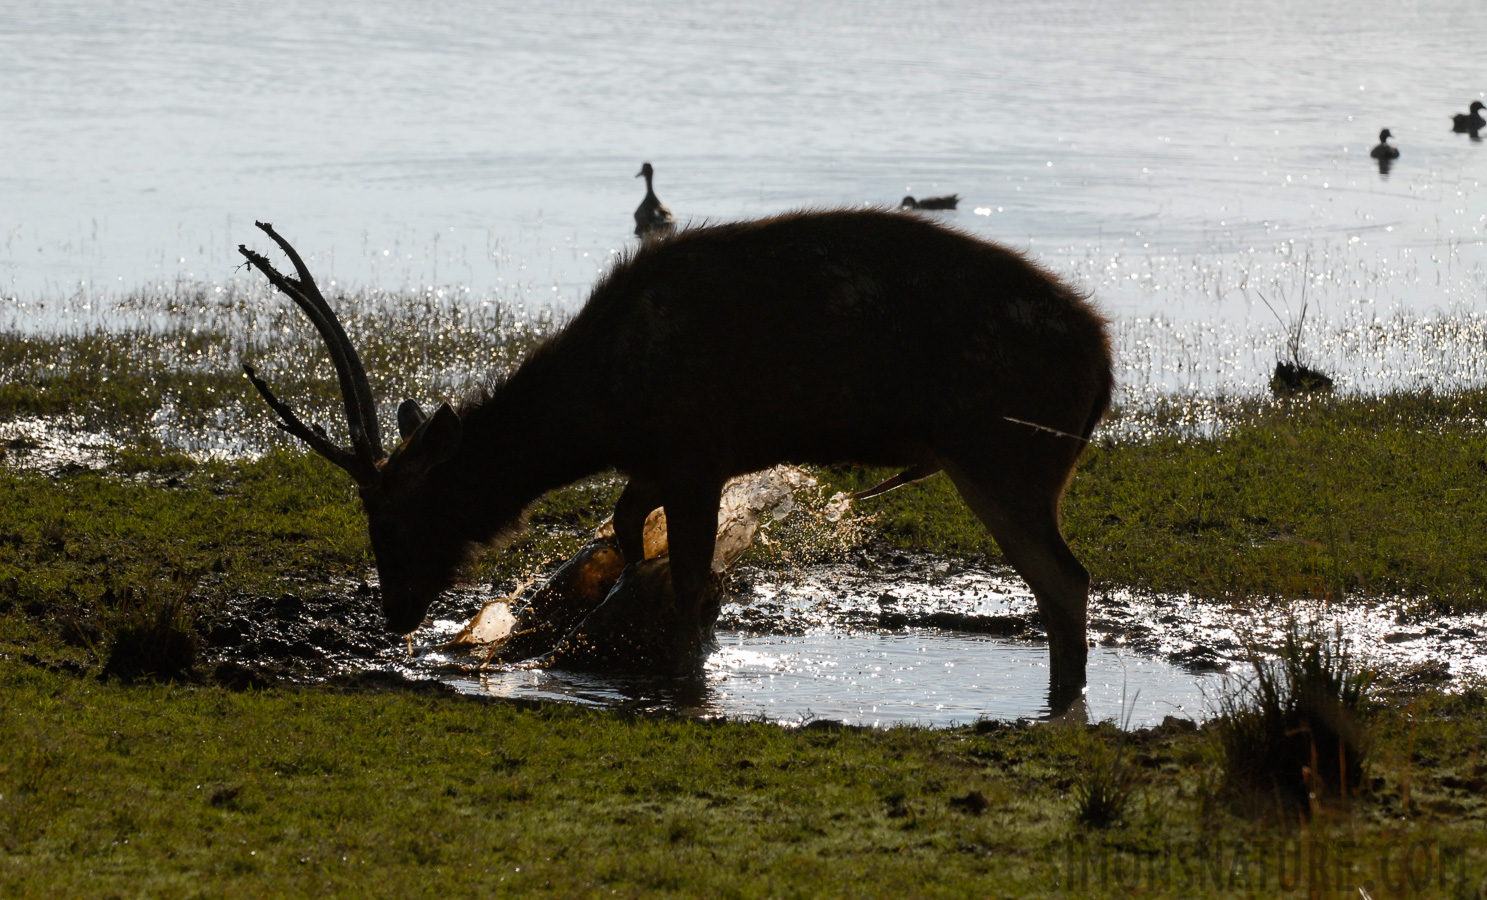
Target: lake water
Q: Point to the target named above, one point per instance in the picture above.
(1179, 161)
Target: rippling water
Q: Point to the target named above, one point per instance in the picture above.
(1178, 160)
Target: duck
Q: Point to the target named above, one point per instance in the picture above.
(652, 218)
(1469, 121)
(1383, 150)
(946, 201)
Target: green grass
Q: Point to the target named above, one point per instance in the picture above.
(73, 541)
(1321, 497)
(184, 791)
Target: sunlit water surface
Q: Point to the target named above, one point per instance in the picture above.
(933, 644)
(1181, 162)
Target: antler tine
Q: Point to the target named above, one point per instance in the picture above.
(356, 393)
(313, 436)
(339, 345)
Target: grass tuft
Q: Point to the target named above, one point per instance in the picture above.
(1295, 729)
(1107, 776)
(151, 635)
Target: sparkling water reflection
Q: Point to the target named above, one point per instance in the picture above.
(926, 678)
(846, 643)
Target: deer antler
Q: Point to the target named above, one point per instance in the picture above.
(356, 393)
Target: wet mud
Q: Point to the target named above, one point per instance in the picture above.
(879, 639)
(303, 637)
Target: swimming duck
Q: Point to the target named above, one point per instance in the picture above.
(946, 201)
(1469, 121)
(1383, 150)
(652, 219)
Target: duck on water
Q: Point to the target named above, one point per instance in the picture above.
(1384, 151)
(946, 201)
(652, 218)
(1472, 121)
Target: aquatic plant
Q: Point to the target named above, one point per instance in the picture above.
(1292, 375)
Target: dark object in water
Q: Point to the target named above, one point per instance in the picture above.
(1294, 378)
(946, 201)
(597, 614)
(818, 338)
(1469, 122)
(1383, 151)
(652, 219)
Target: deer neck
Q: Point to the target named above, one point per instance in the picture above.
(529, 436)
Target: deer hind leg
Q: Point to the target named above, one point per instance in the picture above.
(1019, 506)
(640, 497)
(691, 531)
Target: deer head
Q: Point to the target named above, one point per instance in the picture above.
(416, 546)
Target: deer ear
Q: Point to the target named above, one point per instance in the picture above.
(437, 439)
(410, 416)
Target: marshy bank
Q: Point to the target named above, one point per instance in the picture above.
(140, 469)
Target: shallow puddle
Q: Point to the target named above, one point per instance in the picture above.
(922, 677)
(922, 642)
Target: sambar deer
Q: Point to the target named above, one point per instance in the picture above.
(866, 337)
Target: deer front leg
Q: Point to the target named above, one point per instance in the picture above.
(691, 531)
(641, 495)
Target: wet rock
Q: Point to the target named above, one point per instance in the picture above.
(893, 621)
(490, 626)
(831, 726)
(1198, 658)
(597, 614)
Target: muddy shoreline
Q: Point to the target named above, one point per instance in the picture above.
(881, 597)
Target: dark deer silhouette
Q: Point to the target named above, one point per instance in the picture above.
(822, 337)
